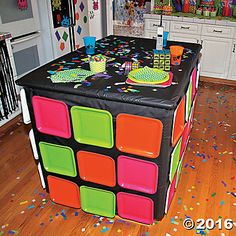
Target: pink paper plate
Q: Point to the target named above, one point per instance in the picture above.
(137, 174)
(135, 207)
(51, 116)
(170, 193)
(194, 81)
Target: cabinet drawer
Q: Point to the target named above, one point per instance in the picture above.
(184, 27)
(188, 38)
(150, 34)
(218, 31)
(152, 25)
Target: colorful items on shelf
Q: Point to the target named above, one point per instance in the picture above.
(199, 11)
(178, 5)
(207, 8)
(163, 6)
(206, 11)
(161, 59)
(213, 12)
(226, 10)
(193, 6)
(186, 6)
(207, 3)
(167, 10)
(157, 9)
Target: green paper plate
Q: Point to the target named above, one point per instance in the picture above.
(71, 75)
(175, 156)
(92, 126)
(98, 201)
(58, 159)
(179, 170)
(148, 75)
(188, 100)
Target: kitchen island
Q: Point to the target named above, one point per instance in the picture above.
(107, 146)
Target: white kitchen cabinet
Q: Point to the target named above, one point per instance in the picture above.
(216, 54)
(232, 69)
(218, 39)
(185, 27)
(188, 38)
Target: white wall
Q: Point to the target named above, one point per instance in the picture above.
(95, 23)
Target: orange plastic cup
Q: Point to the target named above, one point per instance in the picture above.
(176, 54)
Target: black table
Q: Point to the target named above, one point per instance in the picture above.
(157, 116)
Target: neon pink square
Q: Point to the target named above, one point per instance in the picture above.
(137, 174)
(135, 207)
(51, 117)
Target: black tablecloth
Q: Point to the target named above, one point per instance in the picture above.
(103, 87)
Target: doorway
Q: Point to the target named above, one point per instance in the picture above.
(128, 17)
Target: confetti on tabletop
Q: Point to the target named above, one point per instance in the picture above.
(51, 72)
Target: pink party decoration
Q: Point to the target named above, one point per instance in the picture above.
(22, 4)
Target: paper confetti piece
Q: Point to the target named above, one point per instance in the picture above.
(104, 229)
(222, 202)
(57, 36)
(64, 216)
(225, 185)
(13, 232)
(31, 207)
(22, 203)
(213, 194)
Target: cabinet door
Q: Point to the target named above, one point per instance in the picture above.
(215, 56)
(232, 70)
(188, 38)
(150, 34)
